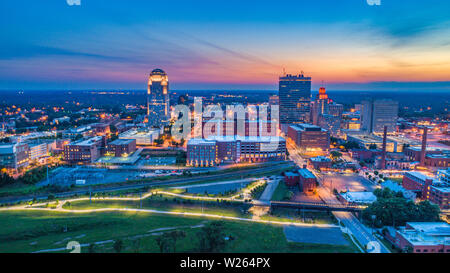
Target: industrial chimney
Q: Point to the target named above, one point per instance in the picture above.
(423, 152)
(383, 153)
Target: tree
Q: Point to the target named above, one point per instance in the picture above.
(159, 141)
(212, 237)
(118, 244)
(175, 235)
(136, 245)
(393, 209)
(372, 146)
(91, 248)
(164, 242)
(335, 155)
(351, 145)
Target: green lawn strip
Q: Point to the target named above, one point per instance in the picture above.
(353, 245)
(18, 189)
(280, 192)
(397, 180)
(389, 245)
(29, 231)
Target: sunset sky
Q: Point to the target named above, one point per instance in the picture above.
(347, 44)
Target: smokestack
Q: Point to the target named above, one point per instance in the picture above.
(423, 152)
(383, 155)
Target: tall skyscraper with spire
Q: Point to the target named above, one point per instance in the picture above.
(158, 104)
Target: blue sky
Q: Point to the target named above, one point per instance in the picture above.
(346, 44)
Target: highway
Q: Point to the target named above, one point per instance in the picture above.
(141, 185)
(359, 231)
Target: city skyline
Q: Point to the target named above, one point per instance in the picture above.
(350, 46)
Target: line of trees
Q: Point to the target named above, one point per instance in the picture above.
(392, 209)
(211, 238)
(31, 177)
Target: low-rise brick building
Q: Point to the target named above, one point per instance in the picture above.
(307, 181)
(121, 147)
(424, 237)
(309, 137)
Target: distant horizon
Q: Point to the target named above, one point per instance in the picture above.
(226, 90)
(441, 86)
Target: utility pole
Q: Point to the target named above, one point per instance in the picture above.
(140, 200)
(90, 195)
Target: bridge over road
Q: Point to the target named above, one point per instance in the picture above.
(312, 206)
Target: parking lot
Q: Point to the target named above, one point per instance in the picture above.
(313, 235)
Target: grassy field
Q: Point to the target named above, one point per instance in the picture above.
(396, 179)
(28, 231)
(280, 192)
(18, 189)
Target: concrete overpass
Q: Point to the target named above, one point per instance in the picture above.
(311, 206)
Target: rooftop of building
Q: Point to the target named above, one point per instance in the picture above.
(34, 144)
(442, 188)
(87, 142)
(306, 173)
(79, 129)
(320, 159)
(291, 77)
(246, 138)
(291, 174)
(359, 197)
(429, 149)
(7, 148)
(121, 141)
(141, 133)
(200, 141)
(427, 233)
(158, 71)
(444, 172)
(368, 138)
(442, 156)
(306, 127)
(404, 140)
(419, 175)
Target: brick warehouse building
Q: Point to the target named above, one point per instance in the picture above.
(434, 157)
(120, 147)
(307, 181)
(291, 179)
(428, 188)
(309, 137)
(84, 151)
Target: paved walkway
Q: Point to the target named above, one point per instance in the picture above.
(266, 196)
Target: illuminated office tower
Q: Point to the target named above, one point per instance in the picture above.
(295, 99)
(158, 105)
